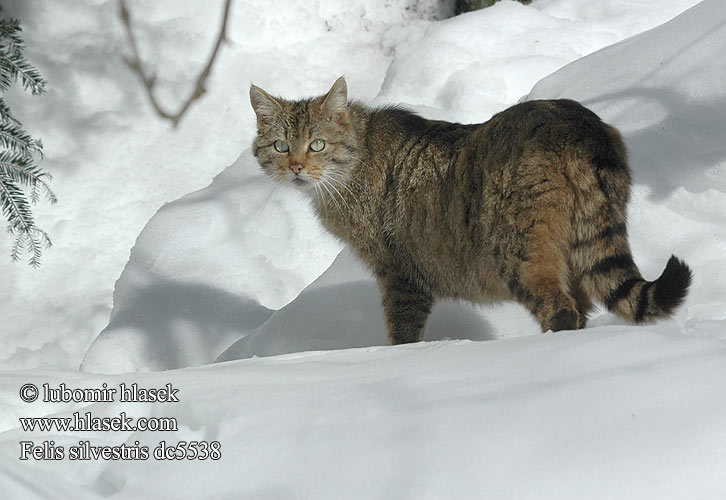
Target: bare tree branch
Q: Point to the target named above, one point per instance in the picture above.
(149, 79)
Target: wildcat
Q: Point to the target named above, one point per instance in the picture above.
(529, 206)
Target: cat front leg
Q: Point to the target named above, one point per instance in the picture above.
(406, 308)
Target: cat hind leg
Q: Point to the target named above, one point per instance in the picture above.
(541, 279)
(406, 309)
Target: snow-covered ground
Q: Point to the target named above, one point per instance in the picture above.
(238, 268)
(603, 413)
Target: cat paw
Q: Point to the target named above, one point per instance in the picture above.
(565, 319)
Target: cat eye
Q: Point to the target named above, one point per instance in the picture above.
(281, 147)
(317, 145)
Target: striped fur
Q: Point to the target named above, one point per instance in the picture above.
(529, 206)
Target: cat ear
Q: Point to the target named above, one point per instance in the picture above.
(335, 104)
(266, 107)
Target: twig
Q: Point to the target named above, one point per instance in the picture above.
(149, 79)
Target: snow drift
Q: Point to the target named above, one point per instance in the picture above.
(601, 413)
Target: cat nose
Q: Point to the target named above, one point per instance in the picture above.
(296, 168)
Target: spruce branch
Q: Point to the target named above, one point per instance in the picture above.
(18, 168)
(12, 61)
(22, 227)
(15, 139)
(21, 170)
(14, 206)
(148, 79)
(17, 211)
(32, 242)
(10, 41)
(18, 151)
(15, 65)
(39, 186)
(6, 116)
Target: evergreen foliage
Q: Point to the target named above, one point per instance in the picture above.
(19, 152)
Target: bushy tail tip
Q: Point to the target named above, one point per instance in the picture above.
(641, 301)
(672, 287)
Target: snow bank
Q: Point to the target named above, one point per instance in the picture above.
(599, 414)
(202, 269)
(492, 57)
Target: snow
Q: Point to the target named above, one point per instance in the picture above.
(603, 413)
(307, 400)
(493, 57)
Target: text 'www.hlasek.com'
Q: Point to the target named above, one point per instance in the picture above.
(86, 422)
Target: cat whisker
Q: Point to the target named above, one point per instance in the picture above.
(338, 192)
(321, 201)
(269, 196)
(272, 194)
(353, 198)
(344, 178)
(332, 197)
(340, 183)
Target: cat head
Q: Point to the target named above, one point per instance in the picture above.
(309, 143)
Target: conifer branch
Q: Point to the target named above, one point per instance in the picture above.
(9, 32)
(14, 206)
(39, 185)
(6, 116)
(13, 62)
(18, 151)
(149, 79)
(21, 170)
(11, 137)
(21, 226)
(15, 65)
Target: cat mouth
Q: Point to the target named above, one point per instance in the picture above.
(299, 182)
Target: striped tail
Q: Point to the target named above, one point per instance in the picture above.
(639, 301)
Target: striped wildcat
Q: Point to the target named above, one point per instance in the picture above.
(528, 206)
